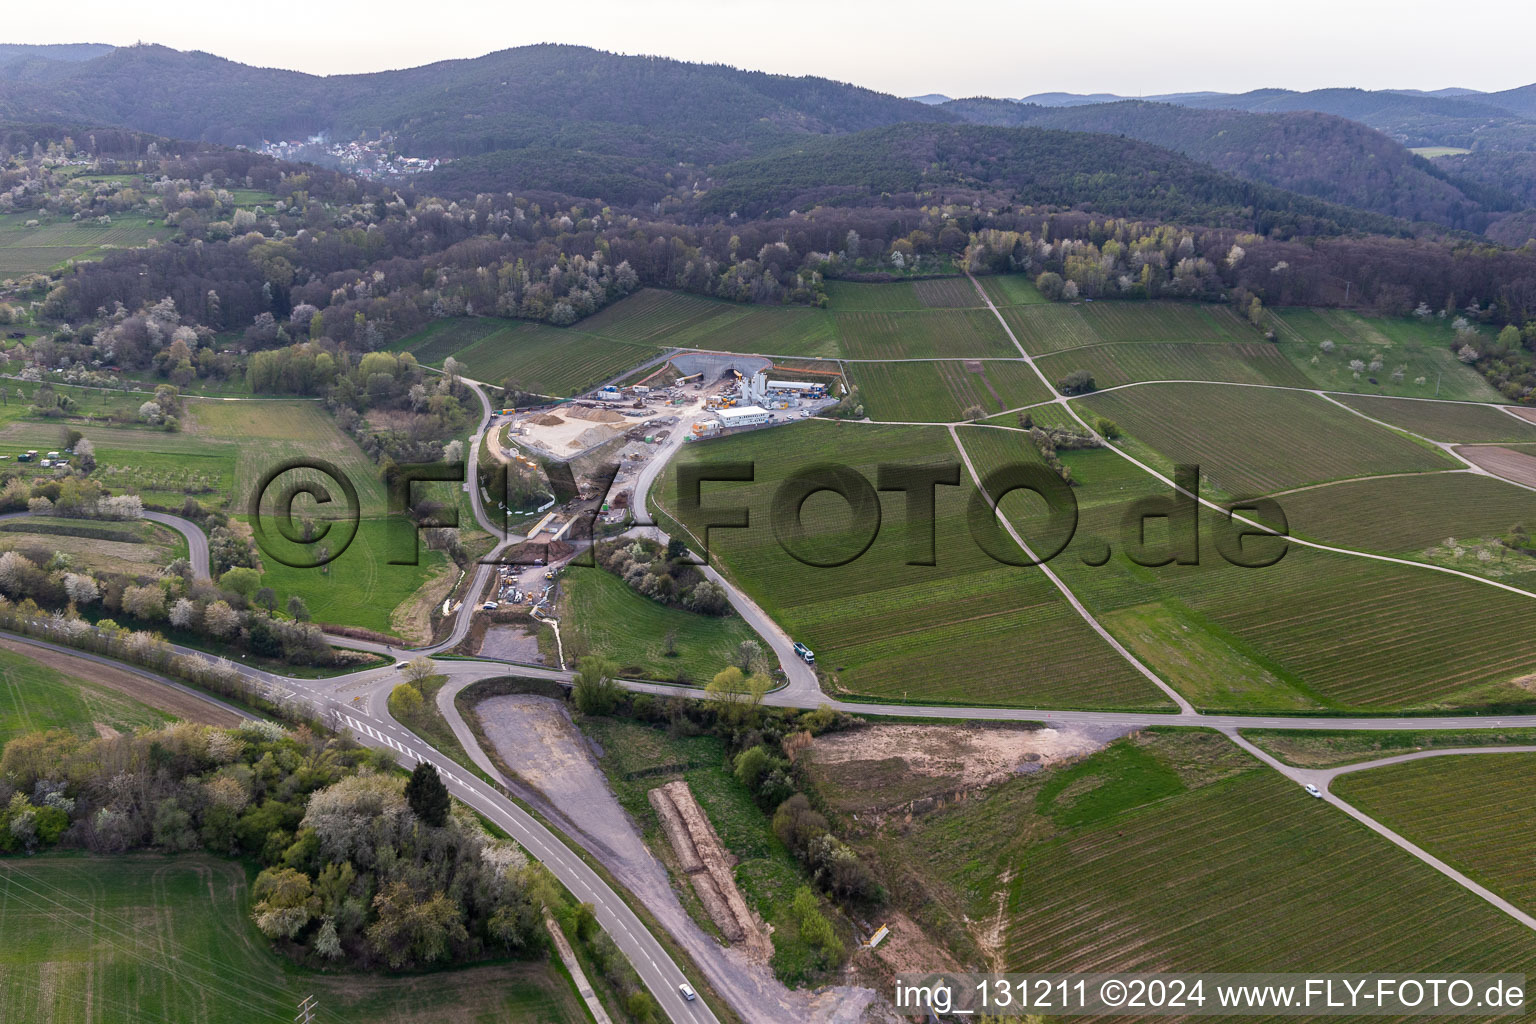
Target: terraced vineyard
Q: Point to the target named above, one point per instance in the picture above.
(1472, 811)
(940, 392)
(1405, 515)
(33, 250)
(1155, 889)
(923, 334)
(964, 630)
(1447, 421)
(1250, 362)
(1256, 440)
(1316, 630)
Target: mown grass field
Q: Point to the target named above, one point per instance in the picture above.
(1011, 289)
(941, 391)
(966, 629)
(1420, 349)
(1447, 421)
(35, 697)
(606, 616)
(1472, 811)
(33, 250)
(1246, 362)
(1314, 631)
(1256, 440)
(151, 938)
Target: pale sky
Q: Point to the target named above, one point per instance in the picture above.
(899, 46)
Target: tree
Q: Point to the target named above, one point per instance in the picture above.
(220, 619)
(285, 902)
(1107, 428)
(267, 598)
(298, 609)
(240, 581)
(412, 929)
(85, 449)
(738, 694)
(426, 794)
(747, 654)
(595, 690)
(405, 703)
(144, 602)
(418, 670)
(669, 643)
(80, 588)
(1078, 382)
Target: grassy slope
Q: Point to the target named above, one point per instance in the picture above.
(151, 938)
(606, 616)
(34, 697)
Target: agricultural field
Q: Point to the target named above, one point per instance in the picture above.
(1472, 811)
(147, 937)
(1326, 748)
(542, 359)
(1411, 515)
(604, 615)
(941, 391)
(1047, 414)
(1447, 421)
(1048, 327)
(1317, 890)
(1256, 440)
(36, 249)
(1247, 362)
(1417, 358)
(34, 696)
(1354, 633)
(129, 548)
(1011, 289)
(923, 334)
(1139, 323)
(883, 628)
(1135, 858)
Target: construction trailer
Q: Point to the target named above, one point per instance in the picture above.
(742, 416)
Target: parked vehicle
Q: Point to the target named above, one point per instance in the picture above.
(1314, 791)
(804, 653)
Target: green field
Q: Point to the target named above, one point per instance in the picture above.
(941, 391)
(967, 629)
(1011, 289)
(1245, 874)
(1472, 811)
(543, 359)
(33, 250)
(152, 938)
(1247, 362)
(606, 616)
(35, 697)
(1420, 349)
(1173, 851)
(1409, 514)
(1324, 748)
(1257, 440)
(1447, 421)
(1314, 631)
(923, 334)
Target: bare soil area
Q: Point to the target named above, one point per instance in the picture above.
(512, 643)
(709, 867)
(156, 695)
(1519, 467)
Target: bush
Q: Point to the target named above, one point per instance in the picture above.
(1078, 382)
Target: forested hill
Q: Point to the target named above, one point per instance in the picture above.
(1032, 166)
(544, 95)
(1315, 154)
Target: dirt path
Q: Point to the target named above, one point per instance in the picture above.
(536, 739)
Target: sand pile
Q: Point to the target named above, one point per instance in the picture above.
(594, 414)
(545, 419)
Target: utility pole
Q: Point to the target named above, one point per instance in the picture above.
(307, 1011)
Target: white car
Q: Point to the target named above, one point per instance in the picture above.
(1314, 791)
(687, 991)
